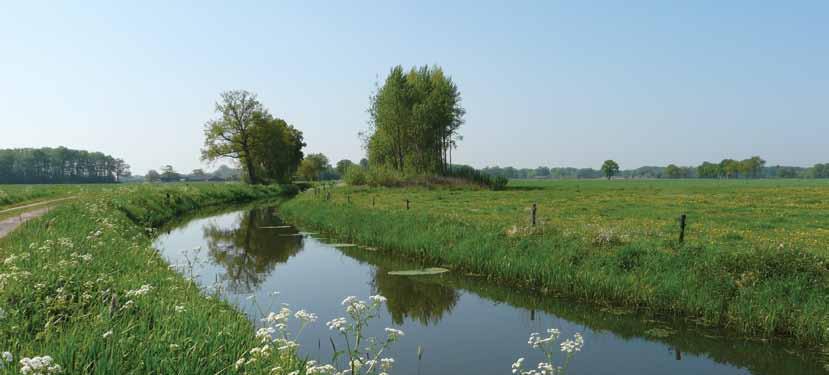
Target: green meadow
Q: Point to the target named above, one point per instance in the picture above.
(753, 259)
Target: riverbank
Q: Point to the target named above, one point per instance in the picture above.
(84, 285)
(755, 291)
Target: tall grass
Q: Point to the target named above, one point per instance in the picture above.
(84, 285)
(754, 289)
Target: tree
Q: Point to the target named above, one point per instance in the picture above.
(413, 121)
(198, 173)
(610, 168)
(276, 148)
(168, 174)
(674, 171)
(730, 168)
(364, 163)
(709, 170)
(230, 135)
(152, 176)
(312, 166)
(343, 166)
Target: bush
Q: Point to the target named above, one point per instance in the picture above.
(380, 176)
(356, 175)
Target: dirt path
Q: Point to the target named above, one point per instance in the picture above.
(9, 224)
(41, 203)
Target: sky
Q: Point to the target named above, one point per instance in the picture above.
(546, 83)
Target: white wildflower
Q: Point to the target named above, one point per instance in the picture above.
(338, 324)
(305, 316)
(144, 289)
(107, 334)
(39, 366)
(394, 333)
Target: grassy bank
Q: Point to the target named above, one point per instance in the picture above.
(615, 243)
(84, 285)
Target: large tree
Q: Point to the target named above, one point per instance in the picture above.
(230, 135)
(276, 148)
(414, 119)
(267, 148)
(610, 168)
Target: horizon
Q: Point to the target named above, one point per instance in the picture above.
(576, 84)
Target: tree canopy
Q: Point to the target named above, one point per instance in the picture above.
(267, 148)
(610, 168)
(414, 119)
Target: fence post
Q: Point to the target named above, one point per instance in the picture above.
(533, 210)
(682, 228)
(407, 203)
(373, 198)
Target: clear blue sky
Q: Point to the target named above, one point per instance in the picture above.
(544, 83)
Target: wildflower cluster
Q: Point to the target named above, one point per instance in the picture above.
(368, 359)
(547, 344)
(39, 366)
(276, 339)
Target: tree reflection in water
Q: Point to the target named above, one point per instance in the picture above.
(247, 252)
(409, 298)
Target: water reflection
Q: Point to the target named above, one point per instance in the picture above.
(413, 298)
(468, 324)
(247, 252)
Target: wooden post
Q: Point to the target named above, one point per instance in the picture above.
(533, 210)
(682, 228)
(373, 198)
(407, 203)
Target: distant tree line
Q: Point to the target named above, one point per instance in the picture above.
(59, 165)
(754, 167)
(169, 174)
(414, 119)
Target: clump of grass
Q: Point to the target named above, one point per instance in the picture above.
(84, 286)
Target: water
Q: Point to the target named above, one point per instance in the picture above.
(464, 324)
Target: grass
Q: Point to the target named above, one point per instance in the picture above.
(72, 287)
(754, 259)
(14, 195)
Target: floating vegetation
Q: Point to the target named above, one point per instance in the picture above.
(342, 245)
(659, 332)
(421, 272)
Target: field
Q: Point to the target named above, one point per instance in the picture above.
(753, 260)
(84, 285)
(728, 214)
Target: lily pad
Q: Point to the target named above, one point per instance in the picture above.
(421, 272)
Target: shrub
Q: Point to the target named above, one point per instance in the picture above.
(356, 175)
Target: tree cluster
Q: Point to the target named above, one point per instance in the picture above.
(267, 148)
(414, 119)
(59, 165)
